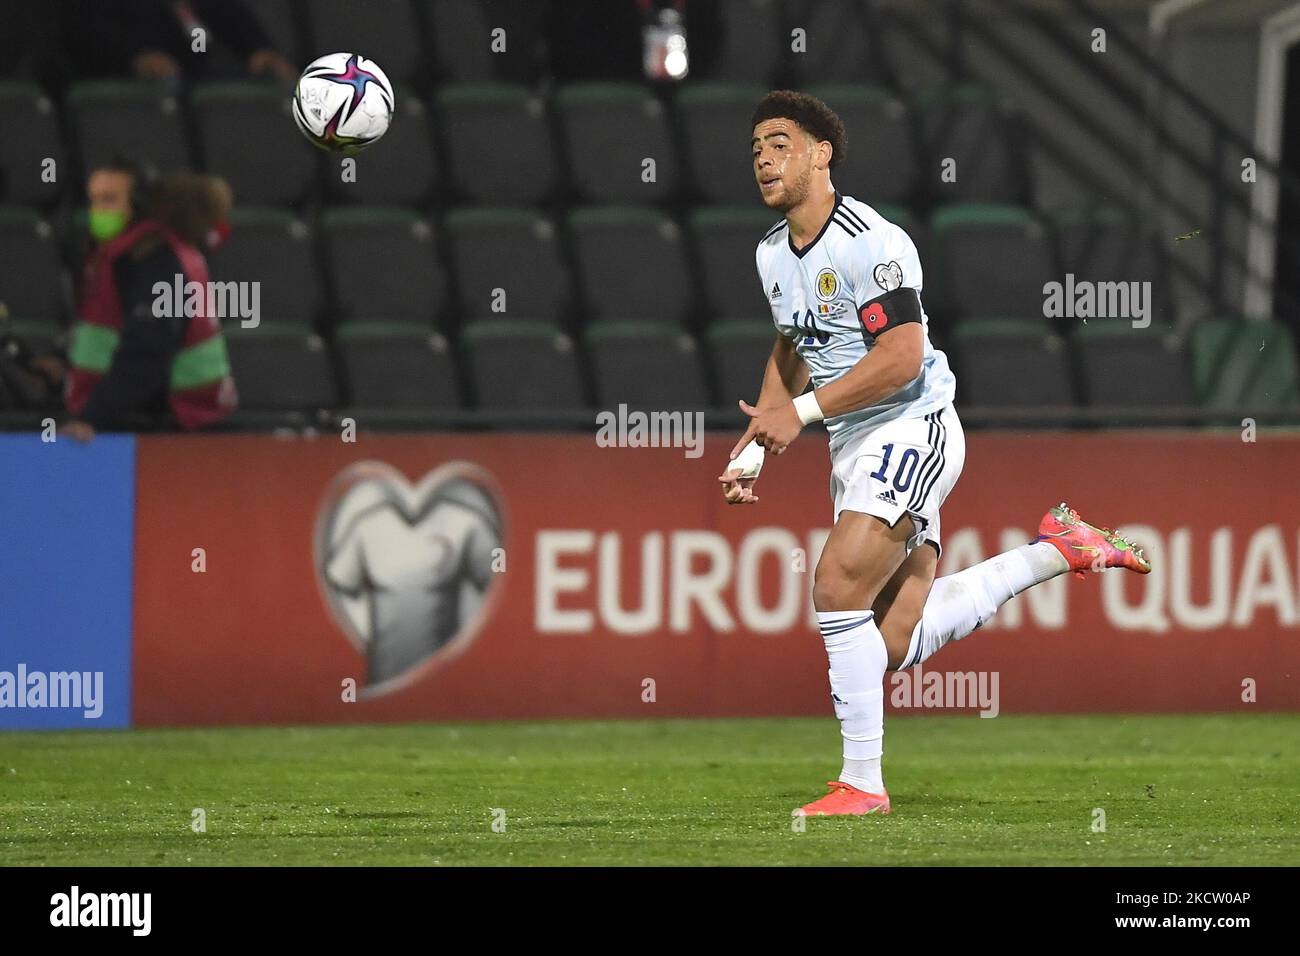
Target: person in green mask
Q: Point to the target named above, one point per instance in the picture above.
(134, 361)
(110, 189)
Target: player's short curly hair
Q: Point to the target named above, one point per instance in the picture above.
(812, 115)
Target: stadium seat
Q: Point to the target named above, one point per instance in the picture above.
(1245, 365)
(631, 264)
(842, 44)
(1011, 362)
(497, 143)
(1126, 367)
(1107, 245)
(283, 25)
(987, 259)
(463, 38)
(130, 119)
(23, 106)
(610, 130)
(516, 251)
(397, 365)
(280, 366)
(20, 387)
(740, 352)
(714, 123)
(724, 240)
(401, 171)
(272, 247)
(523, 366)
(383, 265)
(881, 161)
(976, 128)
(42, 337)
(231, 118)
(31, 281)
(386, 31)
(752, 41)
(647, 365)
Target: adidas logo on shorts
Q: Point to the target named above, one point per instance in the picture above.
(888, 496)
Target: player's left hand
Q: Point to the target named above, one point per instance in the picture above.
(773, 428)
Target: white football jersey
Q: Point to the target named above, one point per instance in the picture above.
(821, 297)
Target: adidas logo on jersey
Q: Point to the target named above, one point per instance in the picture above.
(888, 496)
(775, 293)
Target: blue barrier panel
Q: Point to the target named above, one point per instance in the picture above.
(67, 517)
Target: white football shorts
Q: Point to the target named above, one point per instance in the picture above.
(902, 467)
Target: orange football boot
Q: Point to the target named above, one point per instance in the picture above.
(846, 800)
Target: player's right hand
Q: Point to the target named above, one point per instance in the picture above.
(737, 490)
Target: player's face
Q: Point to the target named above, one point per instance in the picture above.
(783, 161)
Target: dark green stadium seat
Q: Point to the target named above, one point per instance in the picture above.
(843, 44)
(240, 125)
(403, 170)
(462, 30)
(647, 365)
(132, 119)
(610, 129)
(1106, 244)
(1245, 365)
(284, 26)
(273, 247)
(714, 123)
(383, 264)
(631, 264)
(386, 31)
(977, 128)
(497, 143)
(41, 336)
(514, 250)
(987, 259)
(522, 365)
(881, 161)
(1011, 362)
(31, 281)
(1123, 366)
(280, 366)
(740, 352)
(723, 242)
(752, 41)
(397, 365)
(23, 106)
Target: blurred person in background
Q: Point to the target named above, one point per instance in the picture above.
(153, 39)
(130, 360)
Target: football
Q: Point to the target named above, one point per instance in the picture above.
(343, 102)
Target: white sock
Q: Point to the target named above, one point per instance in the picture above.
(858, 661)
(959, 603)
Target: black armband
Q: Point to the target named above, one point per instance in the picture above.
(887, 311)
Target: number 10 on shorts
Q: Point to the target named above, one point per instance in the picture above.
(905, 471)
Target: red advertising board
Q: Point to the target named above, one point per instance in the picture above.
(438, 576)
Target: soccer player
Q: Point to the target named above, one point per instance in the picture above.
(845, 290)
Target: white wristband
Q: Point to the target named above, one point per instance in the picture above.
(749, 461)
(808, 409)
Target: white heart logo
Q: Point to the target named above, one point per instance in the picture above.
(408, 571)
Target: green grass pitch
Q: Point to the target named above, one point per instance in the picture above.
(1019, 790)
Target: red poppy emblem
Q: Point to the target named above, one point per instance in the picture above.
(873, 317)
